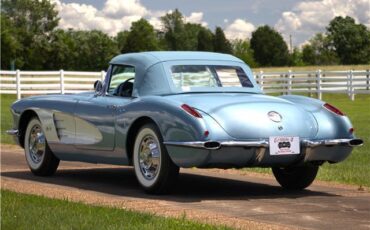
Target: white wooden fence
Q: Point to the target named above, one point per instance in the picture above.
(47, 82)
(317, 82)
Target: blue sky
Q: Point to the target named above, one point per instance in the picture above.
(301, 19)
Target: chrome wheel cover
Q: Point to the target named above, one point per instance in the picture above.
(37, 144)
(149, 157)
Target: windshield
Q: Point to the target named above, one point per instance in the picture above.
(186, 77)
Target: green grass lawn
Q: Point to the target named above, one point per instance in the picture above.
(20, 211)
(354, 170)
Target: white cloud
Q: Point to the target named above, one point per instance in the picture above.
(87, 17)
(308, 18)
(118, 8)
(289, 21)
(196, 17)
(239, 29)
(115, 16)
(156, 23)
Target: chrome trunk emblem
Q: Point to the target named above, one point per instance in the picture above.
(274, 116)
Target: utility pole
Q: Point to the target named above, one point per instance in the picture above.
(290, 43)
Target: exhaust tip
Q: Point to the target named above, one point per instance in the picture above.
(212, 145)
(356, 142)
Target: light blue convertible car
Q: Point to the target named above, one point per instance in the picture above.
(159, 111)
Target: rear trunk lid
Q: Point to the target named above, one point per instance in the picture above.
(251, 116)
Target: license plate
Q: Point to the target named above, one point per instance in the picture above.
(284, 145)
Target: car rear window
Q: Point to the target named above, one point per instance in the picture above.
(186, 77)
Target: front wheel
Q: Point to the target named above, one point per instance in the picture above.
(40, 158)
(295, 178)
(154, 169)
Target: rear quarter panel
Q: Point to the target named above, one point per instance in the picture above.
(330, 125)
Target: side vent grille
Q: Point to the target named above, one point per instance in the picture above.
(64, 127)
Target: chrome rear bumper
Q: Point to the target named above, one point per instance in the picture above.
(214, 145)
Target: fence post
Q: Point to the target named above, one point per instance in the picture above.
(102, 75)
(367, 79)
(289, 82)
(350, 86)
(18, 83)
(261, 79)
(62, 81)
(318, 84)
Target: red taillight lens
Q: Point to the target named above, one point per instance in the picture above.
(351, 130)
(333, 109)
(191, 111)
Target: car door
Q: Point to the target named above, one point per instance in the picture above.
(96, 116)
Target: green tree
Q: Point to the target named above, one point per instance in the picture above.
(33, 22)
(9, 44)
(220, 42)
(319, 52)
(121, 39)
(296, 58)
(269, 47)
(95, 49)
(242, 50)
(142, 37)
(64, 51)
(174, 30)
(191, 32)
(350, 40)
(205, 40)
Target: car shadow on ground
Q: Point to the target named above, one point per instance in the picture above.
(189, 188)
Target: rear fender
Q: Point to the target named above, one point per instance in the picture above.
(330, 125)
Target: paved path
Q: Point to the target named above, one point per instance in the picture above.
(225, 196)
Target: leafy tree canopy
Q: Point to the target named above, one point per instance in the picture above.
(31, 22)
(174, 30)
(220, 43)
(242, 49)
(30, 40)
(319, 52)
(350, 40)
(141, 37)
(205, 40)
(269, 47)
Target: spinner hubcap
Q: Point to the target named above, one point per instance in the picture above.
(36, 144)
(149, 157)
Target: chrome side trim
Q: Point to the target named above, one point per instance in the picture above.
(192, 144)
(13, 132)
(263, 143)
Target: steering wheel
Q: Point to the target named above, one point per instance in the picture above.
(124, 89)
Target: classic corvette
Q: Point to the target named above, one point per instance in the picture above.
(159, 111)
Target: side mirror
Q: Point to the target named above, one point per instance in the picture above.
(98, 86)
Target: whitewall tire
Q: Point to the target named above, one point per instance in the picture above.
(154, 169)
(39, 157)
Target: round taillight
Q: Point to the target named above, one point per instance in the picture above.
(333, 109)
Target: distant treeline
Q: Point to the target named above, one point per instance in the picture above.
(30, 40)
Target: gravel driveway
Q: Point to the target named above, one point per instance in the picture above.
(230, 197)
